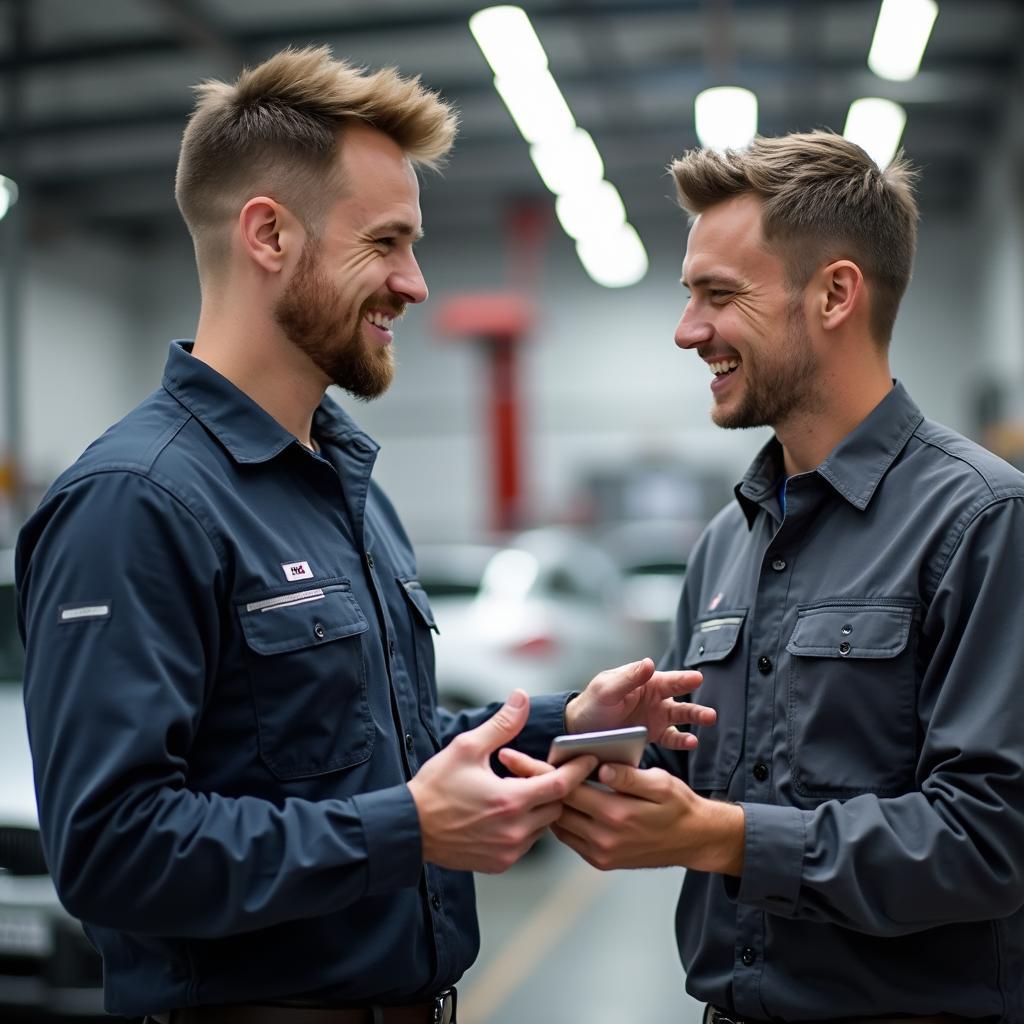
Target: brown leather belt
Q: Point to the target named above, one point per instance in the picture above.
(440, 1010)
(713, 1015)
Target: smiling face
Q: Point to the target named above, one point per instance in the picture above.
(745, 321)
(350, 285)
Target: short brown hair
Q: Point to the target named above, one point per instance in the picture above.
(276, 132)
(823, 199)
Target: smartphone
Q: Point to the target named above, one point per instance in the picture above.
(623, 746)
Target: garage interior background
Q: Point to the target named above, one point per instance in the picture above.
(98, 276)
(98, 272)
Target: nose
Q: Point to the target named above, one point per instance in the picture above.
(407, 281)
(693, 329)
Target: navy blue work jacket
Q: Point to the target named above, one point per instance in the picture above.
(230, 679)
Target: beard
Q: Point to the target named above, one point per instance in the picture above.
(777, 382)
(316, 320)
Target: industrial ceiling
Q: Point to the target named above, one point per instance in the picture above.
(97, 91)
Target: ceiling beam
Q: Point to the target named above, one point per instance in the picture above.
(255, 39)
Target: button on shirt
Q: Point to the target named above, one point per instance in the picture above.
(230, 680)
(863, 652)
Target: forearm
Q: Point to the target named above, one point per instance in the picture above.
(193, 865)
(720, 828)
(880, 866)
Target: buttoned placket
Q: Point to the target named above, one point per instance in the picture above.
(362, 457)
(766, 656)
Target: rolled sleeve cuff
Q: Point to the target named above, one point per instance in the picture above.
(773, 858)
(394, 847)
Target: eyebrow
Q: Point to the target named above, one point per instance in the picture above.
(708, 279)
(398, 227)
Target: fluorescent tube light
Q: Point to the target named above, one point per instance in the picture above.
(508, 41)
(726, 117)
(614, 260)
(876, 125)
(565, 162)
(8, 195)
(900, 37)
(537, 105)
(591, 210)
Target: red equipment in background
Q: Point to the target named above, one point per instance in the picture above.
(499, 322)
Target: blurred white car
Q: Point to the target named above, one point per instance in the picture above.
(652, 555)
(545, 613)
(46, 962)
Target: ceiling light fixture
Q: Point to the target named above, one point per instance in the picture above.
(589, 208)
(567, 161)
(508, 40)
(536, 104)
(900, 37)
(8, 195)
(595, 209)
(876, 125)
(726, 117)
(615, 260)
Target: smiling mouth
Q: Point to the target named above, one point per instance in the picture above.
(383, 321)
(723, 367)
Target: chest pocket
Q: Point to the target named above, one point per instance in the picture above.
(423, 624)
(716, 650)
(304, 650)
(852, 699)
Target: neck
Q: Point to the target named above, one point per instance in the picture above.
(842, 402)
(246, 346)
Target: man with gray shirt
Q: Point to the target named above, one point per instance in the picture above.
(853, 825)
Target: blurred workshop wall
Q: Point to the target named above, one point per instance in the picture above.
(601, 381)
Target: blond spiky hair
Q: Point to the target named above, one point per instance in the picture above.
(276, 131)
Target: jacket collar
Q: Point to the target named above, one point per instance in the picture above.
(856, 465)
(246, 430)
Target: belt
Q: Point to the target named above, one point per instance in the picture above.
(713, 1015)
(439, 1010)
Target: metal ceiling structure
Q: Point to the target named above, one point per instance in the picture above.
(97, 91)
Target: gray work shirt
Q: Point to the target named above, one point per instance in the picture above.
(864, 651)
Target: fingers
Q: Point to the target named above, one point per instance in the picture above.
(556, 785)
(675, 683)
(651, 784)
(615, 683)
(523, 765)
(673, 739)
(500, 728)
(687, 713)
(683, 713)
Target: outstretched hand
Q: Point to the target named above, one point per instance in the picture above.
(472, 820)
(636, 694)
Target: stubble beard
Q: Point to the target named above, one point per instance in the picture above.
(317, 321)
(778, 386)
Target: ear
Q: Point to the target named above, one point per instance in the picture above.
(841, 293)
(270, 235)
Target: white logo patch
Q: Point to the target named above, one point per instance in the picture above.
(297, 570)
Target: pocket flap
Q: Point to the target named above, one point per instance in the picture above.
(297, 619)
(851, 631)
(714, 638)
(418, 599)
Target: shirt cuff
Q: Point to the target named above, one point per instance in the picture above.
(546, 721)
(394, 846)
(773, 858)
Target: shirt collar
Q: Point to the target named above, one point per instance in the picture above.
(856, 465)
(246, 430)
